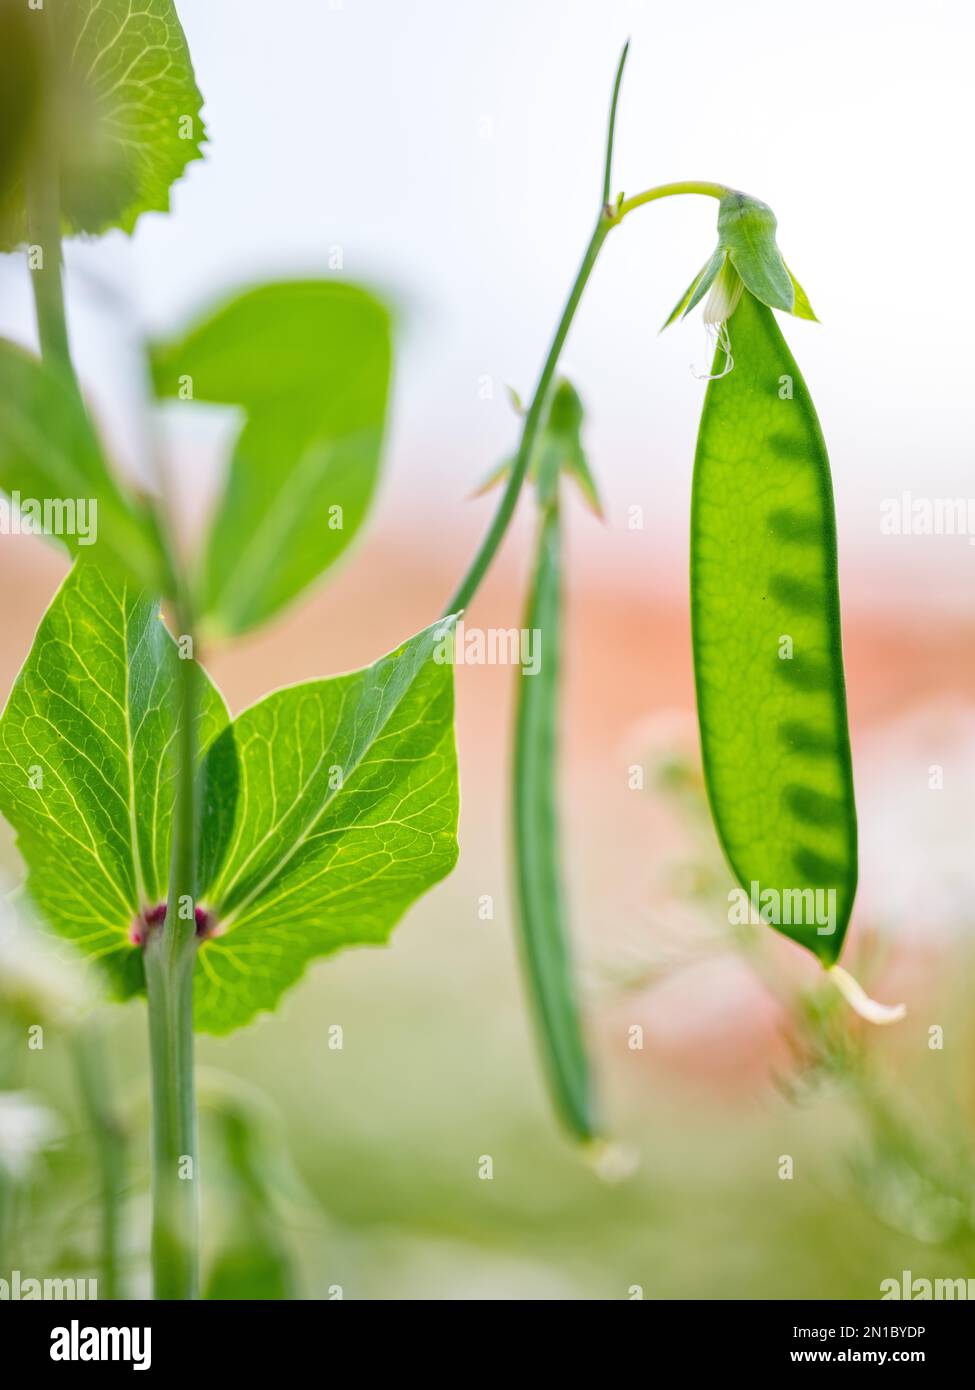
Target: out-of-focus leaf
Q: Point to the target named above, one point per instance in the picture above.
(347, 813)
(87, 765)
(253, 1265)
(41, 978)
(50, 456)
(20, 88)
(308, 362)
(252, 1258)
(121, 110)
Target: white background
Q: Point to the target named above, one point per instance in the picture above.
(453, 151)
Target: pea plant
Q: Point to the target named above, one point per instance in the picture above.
(766, 626)
(204, 859)
(200, 859)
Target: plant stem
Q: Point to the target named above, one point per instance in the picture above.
(669, 190)
(181, 925)
(471, 582)
(611, 133)
(95, 1085)
(175, 1218)
(472, 579)
(170, 960)
(44, 231)
(610, 216)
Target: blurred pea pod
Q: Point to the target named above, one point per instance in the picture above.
(545, 945)
(559, 446)
(765, 608)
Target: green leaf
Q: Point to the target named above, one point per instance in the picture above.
(309, 364)
(347, 807)
(802, 308)
(680, 309)
(698, 288)
(746, 229)
(20, 87)
(496, 475)
(121, 111)
(347, 813)
(746, 248)
(51, 457)
(87, 765)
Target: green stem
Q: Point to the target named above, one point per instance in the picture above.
(170, 960)
(472, 579)
(175, 1216)
(611, 133)
(44, 231)
(181, 925)
(95, 1085)
(610, 216)
(46, 284)
(669, 190)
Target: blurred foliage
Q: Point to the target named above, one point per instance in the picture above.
(104, 93)
(354, 1172)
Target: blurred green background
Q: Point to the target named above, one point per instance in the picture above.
(356, 1169)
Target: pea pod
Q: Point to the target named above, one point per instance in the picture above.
(545, 947)
(766, 634)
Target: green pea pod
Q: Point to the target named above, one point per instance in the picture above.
(545, 947)
(766, 631)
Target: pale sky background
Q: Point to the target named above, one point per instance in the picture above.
(453, 151)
